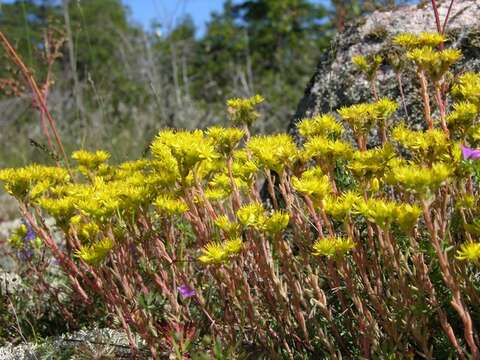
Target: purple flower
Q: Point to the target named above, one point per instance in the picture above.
(469, 153)
(30, 233)
(26, 253)
(186, 291)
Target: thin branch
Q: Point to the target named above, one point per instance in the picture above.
(437, 16)
(447, 17)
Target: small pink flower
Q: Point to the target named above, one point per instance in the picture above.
(186, 291)
(469, 153)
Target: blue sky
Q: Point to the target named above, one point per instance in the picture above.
(167, 11)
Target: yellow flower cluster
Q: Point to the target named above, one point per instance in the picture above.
(33, 180)
(225, 140)
(277, 222)
(343, 206)
(368, 64)
(384, 213)
(244, 168)
(253, 215)
(361, 117)
(90, 161)
(215, 253)
(96, 252)
(336, 247)
(321, 125)
(462, 118)
(195, 166)
(243, 111)
(467, 88)
(435, 63)
(167, 205)
(183, 150)
(469, 251)
(428, 145)
(411, 41)
(231, 229)
(372, 163)
(325, 149)
(313, 183)
(274, 152)
(420, 180)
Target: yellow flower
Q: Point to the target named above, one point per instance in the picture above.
(233, 246)
(252, 215)
(188, 148)
(230, 228)
(273, 152)
(277, 222)
(333, 247)
(378, 211)
(225, 140)
(164, 164)
(33, 180)
(320, 125)
(435, 63)
(243, 167)
(361, 62)
(222, 181)
(313, 183)
(384, 109)
(368, 64)
(217, 253)
(421, 180)
(371, 163)
(469, 251)
(88, 232)
(410, 40)
(361, 117)
(170, 206)
(216, 194)
(462, 117)
(428, 145)
(407, 216)
(62, 209)
(90, 160)
(467, 88)
(329, 150)
(341, 207)
(213, 253)
(95, 253)
(243, 111)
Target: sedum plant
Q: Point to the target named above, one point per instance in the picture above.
(182, 244)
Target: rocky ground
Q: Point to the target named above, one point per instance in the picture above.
(84, 344)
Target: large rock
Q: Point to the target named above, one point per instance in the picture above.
(337, 83)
